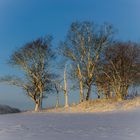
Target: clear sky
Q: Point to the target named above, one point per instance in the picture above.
(24, 20)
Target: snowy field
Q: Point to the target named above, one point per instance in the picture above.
(47, 126)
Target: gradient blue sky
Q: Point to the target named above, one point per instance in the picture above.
(24, 20)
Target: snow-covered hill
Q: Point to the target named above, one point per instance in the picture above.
(48, 126)
(4, 109)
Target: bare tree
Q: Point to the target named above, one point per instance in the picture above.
(62, 87)
(83, 47)
(34, 60)
(65, 88)
(57, 88)
(121, 67)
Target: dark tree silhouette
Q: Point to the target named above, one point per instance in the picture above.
(34, 60)
(120, 68)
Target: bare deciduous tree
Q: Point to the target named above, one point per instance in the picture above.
(34, 60)
(65, 88)
(120, 67)
(83, 47)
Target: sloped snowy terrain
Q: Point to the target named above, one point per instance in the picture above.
(4, 109)
(48, 126)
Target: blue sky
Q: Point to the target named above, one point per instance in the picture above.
(24, 20)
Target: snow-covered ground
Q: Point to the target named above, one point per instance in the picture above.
(49, 126)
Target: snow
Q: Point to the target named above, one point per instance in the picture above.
(56, 126)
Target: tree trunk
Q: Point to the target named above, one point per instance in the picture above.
(111, 94)
(57, 95)
(66, 101)
(105, 90)
(81, 92)
(80, 84)
(41, 101)
(65, 89)
(57, 100)
(88, 93)
(98, 91)
(125, 91)
(119, 96)
(37, 106)
(41, 96)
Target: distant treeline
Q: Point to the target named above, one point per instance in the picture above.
(90, 57)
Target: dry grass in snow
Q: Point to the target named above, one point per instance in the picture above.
(98, 105)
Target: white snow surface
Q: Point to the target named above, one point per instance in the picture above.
(55, 126)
